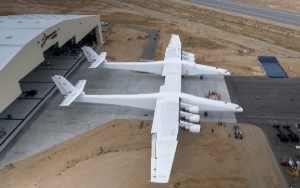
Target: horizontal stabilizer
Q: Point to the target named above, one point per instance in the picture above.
(68, 90)
(99, 61)
(93, 58)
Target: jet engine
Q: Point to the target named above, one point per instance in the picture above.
(190, 108)
(188, 56)
(194, 118)
(191, 59)
(193, 109)
(193, 128)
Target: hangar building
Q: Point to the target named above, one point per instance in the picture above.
(25, 38)
(32, 49)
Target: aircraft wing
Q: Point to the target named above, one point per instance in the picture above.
(155, 67)
(166, 121)
(173, 50)
(164, 138)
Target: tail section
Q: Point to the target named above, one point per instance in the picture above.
(89, 53)
(70, 92)
(99, 61)
(93, 58)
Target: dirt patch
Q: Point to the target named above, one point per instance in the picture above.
(273, 34)
(118, 155)
(291, 66)
(117, 42)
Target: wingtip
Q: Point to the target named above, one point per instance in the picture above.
(159, 180)
(56, 76)
(62, 104)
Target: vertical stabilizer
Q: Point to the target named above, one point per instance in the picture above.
(90, 54)
(93, 58)
(64, 86)
(99, 61)
(68, 90)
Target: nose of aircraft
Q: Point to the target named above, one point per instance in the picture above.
(239, 109)
(226, 72)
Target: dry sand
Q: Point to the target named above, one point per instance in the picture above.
(120, 48)
(118, 155)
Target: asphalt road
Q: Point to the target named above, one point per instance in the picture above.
(265, 100)
(261, 12)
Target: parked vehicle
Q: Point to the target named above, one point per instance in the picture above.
(284, 161)
(283, 137)
(237, 132)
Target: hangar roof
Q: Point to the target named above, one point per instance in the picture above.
(25, 38)
(17, 30)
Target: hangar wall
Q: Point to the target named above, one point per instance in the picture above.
(23, 62)
(31, 55)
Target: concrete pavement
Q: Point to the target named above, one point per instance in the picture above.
(54, 124)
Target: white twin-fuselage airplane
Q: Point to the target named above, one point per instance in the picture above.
(173, 56)
(173, 109)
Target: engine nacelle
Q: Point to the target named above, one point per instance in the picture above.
(190, 108)
(187, 54)
(194, 118)
(193, 128)
(191, 59)
(193, 109)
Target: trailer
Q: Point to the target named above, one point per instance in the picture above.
(294, 137)
(283, 137)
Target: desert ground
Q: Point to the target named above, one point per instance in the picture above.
(118, 154)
